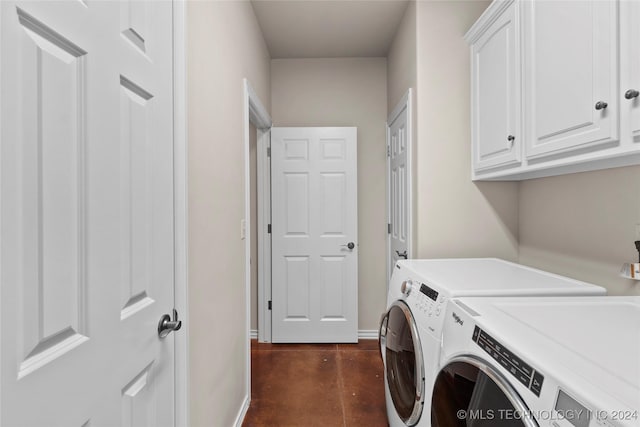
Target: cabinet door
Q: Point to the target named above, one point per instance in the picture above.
(630, 67)
(571, 76)
(496, 94)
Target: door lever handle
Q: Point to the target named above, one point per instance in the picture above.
(403, 254)
(166, 325)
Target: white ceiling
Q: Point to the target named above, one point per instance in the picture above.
(328, 28)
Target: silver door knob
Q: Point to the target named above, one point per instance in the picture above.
(601, 105)
(349, 245)
(402, 254)
(631, 93)
(166, 325)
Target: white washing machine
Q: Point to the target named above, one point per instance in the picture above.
(544, 362)
(411, 330)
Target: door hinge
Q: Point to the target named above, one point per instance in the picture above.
(269, 228)
(388, 151)
(268, 151)
(269, 305)
(388, 228)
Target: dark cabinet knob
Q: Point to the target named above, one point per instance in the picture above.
(511, 138)
(631, 93)
(601, 105)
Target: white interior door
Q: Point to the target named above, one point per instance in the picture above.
(399, 183)
(86, 256)
(314, 235)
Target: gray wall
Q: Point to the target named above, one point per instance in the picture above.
(346, 92)
(225, 45)
(455, 216)
(583, 225)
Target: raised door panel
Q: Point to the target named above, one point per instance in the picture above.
(52, 188)
(137, 244)
(496, 94)
(570, 73)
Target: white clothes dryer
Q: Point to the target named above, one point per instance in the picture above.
(411, 330)
(543, 362)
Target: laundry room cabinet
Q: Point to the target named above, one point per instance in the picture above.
(570, 74)
(630, 76)
(575, 72)
(496, 90)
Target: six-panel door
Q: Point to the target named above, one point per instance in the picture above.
(314, 205)
(86, 213)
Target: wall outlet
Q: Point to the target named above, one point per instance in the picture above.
(243, 229)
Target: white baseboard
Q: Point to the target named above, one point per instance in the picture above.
(368, 334)
(243, 412)
(363, 334)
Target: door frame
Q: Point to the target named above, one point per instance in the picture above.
(181, 201)
(404, 104)
(255, 113)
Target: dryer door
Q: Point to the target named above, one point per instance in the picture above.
(468, 392)
(404, 365)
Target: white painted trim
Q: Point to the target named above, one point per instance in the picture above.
(1, 146)
(242, 413)
(264, 238)
(181, 339)
(254, 112)
(258, 115)
(488, 17)
(363, 334)
(405, 103)
(388, 201)
(367, 334)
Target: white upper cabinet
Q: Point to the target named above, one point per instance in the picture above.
(630, 76)
(575, 65)
(496, 90)
(570, 75)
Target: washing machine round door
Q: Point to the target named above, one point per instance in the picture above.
(468, 392)
(404, 365)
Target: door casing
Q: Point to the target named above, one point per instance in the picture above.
(255, 113)
(405, 103)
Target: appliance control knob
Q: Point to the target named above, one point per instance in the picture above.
(406, 287)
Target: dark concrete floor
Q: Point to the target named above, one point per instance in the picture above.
(324, 385)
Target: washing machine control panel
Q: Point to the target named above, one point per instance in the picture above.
(429, 302)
